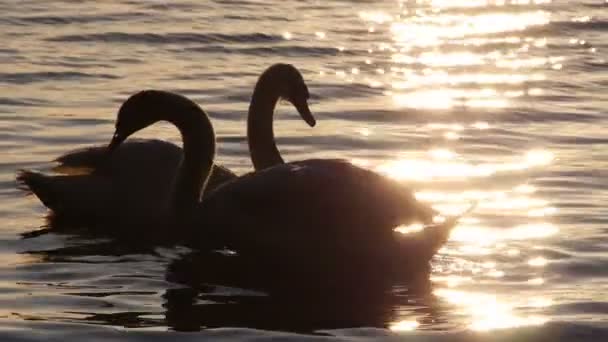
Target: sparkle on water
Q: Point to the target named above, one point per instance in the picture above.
(487, 311)
(436, 63)
(445, 58)
(419, 59)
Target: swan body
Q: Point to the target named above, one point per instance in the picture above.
(319, 208)
(132, 158)
(132, 196)
(306, 215)
(270, 87)
(139, 174)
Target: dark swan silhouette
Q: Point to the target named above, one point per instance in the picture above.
(134, 184)
(318, 213)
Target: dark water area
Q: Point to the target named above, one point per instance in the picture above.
(498, 102)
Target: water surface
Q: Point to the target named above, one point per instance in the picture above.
(500, 102)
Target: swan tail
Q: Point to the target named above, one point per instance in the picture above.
(426, 214)
(32, 183)
(437, 235)
(89, 158)
(63, 194)
(433, 237)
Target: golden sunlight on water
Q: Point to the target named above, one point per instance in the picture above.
(446, 57)
(445, 164)
(475, 238)
(488, 312)
(442, 60)
(405, 325)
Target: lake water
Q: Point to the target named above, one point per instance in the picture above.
(500, 102)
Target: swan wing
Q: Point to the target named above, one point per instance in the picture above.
(146, 161)
(132, 152)
(135, 182)
(307, 203)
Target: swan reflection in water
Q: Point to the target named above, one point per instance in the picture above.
(220, 290)
(301, 300)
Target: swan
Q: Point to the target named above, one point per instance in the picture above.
(143, 170)
(270, 87)
(321, 212)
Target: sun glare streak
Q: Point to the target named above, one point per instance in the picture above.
(433, 30)
(487, 312)
(445, 167)
(539, 157)
(413, 228)
(451, 280)
(449, 98)
(406, 325)
(442, 78)
(537, 262)
(536, 281)
(450, 59)
(489, 236)
(376, 17)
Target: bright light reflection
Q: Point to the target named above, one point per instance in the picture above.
(432, 30)
(537, 262)
(463, 4)
(442, 154)
(451, 280)
(513, 252)
(539, 157)
(525, 189)
(413, 228)
(481, 125)
(449, 98)
(542, 212)
(451, 136)
(450, 61)
(375, 17)
(488, 236)
(536, 281)
(441, 78)
(423, 170)
(487, 312)
(404, 325)
(445, 4)
(496, 274)
(540, 302)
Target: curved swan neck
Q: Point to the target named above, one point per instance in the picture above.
(197, 161)
(260, 134)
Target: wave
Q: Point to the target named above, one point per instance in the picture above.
(31, 77)
(21, 102)
(287, 51)
(68, 20)
(591, 25)
(71, 330)
(168, 38)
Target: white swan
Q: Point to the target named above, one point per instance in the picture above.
(143, 170)
(323, 210)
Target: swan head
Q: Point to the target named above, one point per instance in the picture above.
(144, 109)
(289, 83)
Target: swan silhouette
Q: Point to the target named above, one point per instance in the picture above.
(143, 171)
(321, 212)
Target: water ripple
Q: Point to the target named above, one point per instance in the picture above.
(169, 38)
(31, 77)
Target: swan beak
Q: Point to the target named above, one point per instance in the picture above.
(302, 107)
(117, 139)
